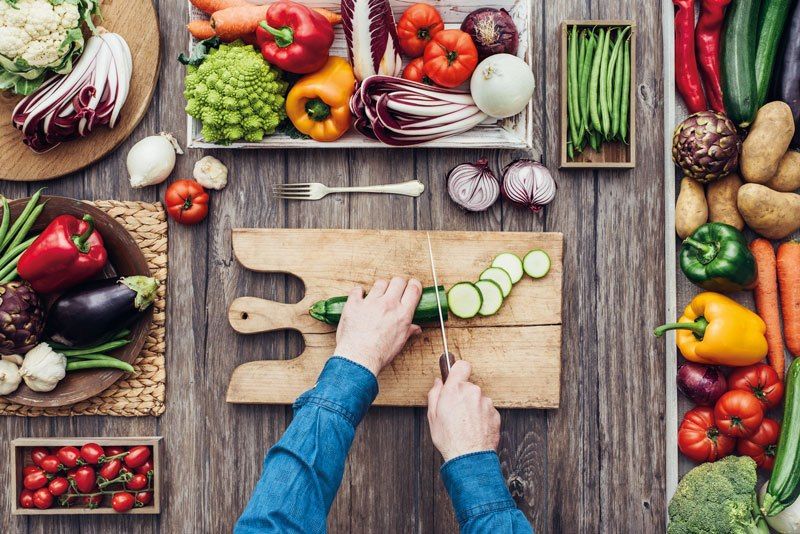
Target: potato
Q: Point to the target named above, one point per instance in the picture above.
(691, 210)
(788, 176)
(770, 213)
(721, 198)
(767, 142)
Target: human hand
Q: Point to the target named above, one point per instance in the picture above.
(373, 329)
(462, 419)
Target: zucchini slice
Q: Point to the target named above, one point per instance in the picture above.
(536, 263)
(500, 277)
(492, 296)
(511, 264)
(464, 300)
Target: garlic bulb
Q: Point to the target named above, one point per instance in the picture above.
(43, 368)
(152, 159)
(16, 359)
(211, 173)
(9, 377)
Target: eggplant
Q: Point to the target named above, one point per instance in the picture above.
(96, 311)
(788, 82)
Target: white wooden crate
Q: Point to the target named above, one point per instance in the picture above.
(512, 133)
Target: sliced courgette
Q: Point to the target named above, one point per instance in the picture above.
(330, 311)
(464, 300)
(536, 263)
(511, 264)
(500, 277)
(492, 297)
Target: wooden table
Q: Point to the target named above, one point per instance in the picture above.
(594, 465)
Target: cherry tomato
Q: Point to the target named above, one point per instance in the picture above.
(42, 498)
(28, 469)
(762, 445)
(34, 481)
(114, 451)
(143, 498)
(137, 456)
(50, 464)
(84, 478)
(450, 58)
(91, 453)
(761, 380)
(38, 453)
(187, 201)
(416, 27)
(700, 440)
(26, 499)
(110, 469)
(145, 468)
(415, 72)
(68, 456)
(93, 501)
(138, 482)
(122, 501)
(58, 486)
(738, 414)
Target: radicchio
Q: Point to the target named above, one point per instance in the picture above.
(371, 35)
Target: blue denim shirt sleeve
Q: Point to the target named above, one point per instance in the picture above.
(302, 472)
(480, 497)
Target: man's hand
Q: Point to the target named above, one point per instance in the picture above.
(461, 417)
(373, 329)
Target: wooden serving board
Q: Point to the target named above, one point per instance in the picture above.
(137, 23)
(515, 354)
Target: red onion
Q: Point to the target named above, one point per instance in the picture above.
(528, 184)
(493, 31)
(473, 186)
(701, 384)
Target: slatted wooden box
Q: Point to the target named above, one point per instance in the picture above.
(512, 133)
(20, 457)
(611, 155)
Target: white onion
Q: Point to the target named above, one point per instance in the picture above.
(473, 186)
(528, 184)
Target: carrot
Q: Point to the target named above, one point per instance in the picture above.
(237, 22)
(789, 280)
(201, 29)
(333, 18)
(766, 296)
(210, 6)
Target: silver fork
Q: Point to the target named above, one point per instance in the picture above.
(316, 191)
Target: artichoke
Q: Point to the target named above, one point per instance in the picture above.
(21, 318)
(706, 146)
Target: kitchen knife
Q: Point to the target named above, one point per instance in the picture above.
(446, 360)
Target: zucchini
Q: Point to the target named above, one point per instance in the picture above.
(784, 483)
(500, 277)
(536, 263)
(739, 45)
(464, 300)
(330, 311)
(773, 16)
(511, 264)
(491, 295)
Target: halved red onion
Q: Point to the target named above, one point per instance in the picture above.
(528, 184)
(473, 186)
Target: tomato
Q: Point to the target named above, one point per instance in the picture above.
(762, 445)
(114, 451)
(50, 464)
(38, 453)
(450, 58)
(26, 499)
(34, 481)
(416, 27)
(187, 201)
(699, 439)
(122, 501)
(138, 482)
(93, 501)
(137, 456)
(68, 456)
(110, 469)
(28, 469)
(761, 380)
(143, 498)
(85, 479)
(414, 72)
(58, 486)
(738, 413)
(91, 453)
(145, 468)
(42, 498)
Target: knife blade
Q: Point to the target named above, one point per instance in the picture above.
(446, 360)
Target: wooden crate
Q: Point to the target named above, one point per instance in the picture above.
(20, 457)
(611, 155)
(512, 133)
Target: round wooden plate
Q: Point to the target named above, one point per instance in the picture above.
(125, 258)
(137, 22)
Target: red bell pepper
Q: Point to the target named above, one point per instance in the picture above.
(68, 252)
(294, 37)
(687, 74)
(708, 36)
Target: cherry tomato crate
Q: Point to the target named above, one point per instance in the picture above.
(21, 457)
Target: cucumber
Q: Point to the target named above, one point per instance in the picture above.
(511, 264)
(739, 44)
(500, 277)
(784, 483)
(774, 16)
(492, 297)
(536, 263)
(464, 300)
(330, 311)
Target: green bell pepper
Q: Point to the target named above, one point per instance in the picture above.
(716, 258)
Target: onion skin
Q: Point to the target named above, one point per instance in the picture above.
(493, 31)
(701, 384)
(473, 186)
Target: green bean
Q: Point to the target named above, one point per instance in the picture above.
(16, 251)
(83, 357)
(594, 82)
(570, 150)
(584, 81)
(10, 277)
(21, 220)
(99, 364)
(617, 116)
(11, 266)
(111, 345)
(23, 232)
(594, 140)
(577, 92)
(612, 69)
(572, 69)
(626, 92)
(6, 220)
(604, 116)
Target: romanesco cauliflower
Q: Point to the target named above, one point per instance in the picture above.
(236, 94)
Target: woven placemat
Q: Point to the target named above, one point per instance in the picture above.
(141, 393)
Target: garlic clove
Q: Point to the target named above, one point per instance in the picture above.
(10, 377)
(13, 358)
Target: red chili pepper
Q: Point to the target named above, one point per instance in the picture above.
(69, 251)
(687, 75)
(708, 35)
(295, 38)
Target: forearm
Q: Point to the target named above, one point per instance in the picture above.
(480, 497)
(302, 471)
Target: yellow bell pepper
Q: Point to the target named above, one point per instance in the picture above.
(319, 104)
(716, 330)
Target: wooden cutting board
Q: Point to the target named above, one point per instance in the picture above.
(515, 354)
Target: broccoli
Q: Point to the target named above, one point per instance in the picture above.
(236, 94)
(718, 498)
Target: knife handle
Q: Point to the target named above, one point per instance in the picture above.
(443, 367)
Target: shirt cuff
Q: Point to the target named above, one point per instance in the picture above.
(476, 485)
(344, 387)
